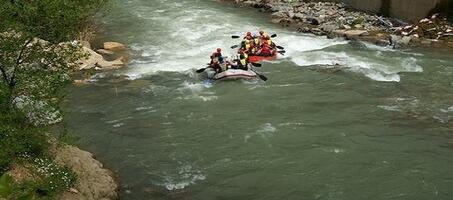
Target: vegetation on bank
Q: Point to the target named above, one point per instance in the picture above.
(38, 50)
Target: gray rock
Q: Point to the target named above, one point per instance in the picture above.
(299, 16)
(406, 40)
(328, 27)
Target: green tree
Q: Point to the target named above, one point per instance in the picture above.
(37, 53)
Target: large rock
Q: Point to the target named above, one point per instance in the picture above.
(96, 61)
(114, 46)
(355, 33)
(105, 52)
(94, 182)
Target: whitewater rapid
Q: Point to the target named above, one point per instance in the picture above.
(185, 42)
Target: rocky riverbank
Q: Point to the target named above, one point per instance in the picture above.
(92, 182)
(338, 20)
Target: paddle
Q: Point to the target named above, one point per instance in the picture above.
(256, 64)
(273, 35)
(280, 47)
(282, 52)
(234, 46)
(201, 70)
(262, 77)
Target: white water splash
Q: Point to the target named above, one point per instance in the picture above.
(191, 90)
(372, 68)
(186, 175)
(390, 108)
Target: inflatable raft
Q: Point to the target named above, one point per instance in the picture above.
(232, 74)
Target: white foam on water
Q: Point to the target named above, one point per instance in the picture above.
(144, 108)
(390, 108)
(449, 109)
(118, 125)
(185, 43)
(372, 67)
(190, 90)
(294, 44)
(264, 131)
(186, 175)
(291, 124)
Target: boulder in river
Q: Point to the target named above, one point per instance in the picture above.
(114, 46)
(96, 61)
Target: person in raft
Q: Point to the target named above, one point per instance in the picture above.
(262, 37)
(216, 66)
(217, 55)
(265, 50)
(254, 44)
(241, 62)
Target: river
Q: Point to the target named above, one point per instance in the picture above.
(375, 126)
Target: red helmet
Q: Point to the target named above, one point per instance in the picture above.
(261, 32)
(219, 50)
(249, 34)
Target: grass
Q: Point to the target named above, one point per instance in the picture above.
(23, 144)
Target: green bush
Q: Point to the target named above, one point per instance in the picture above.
(19, 139)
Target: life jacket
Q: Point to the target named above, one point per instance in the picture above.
(243, 62)
(243, 59)
(269, 42)
(257, 41)
(248, 44)
(265, 49)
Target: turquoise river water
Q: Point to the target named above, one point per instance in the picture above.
(377, 126)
